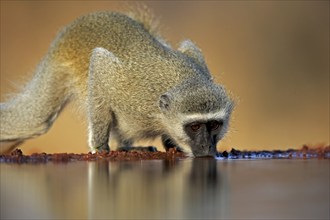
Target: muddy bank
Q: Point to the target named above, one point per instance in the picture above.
(306, 152)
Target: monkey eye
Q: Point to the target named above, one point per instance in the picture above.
(214, 125)
(195, 127)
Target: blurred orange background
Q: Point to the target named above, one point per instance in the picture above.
(272, 55)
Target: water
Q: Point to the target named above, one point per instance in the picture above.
(188, 188)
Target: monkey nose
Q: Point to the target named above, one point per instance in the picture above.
(208, 148)
(211, 150)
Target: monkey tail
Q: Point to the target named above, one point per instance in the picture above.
(32, 112)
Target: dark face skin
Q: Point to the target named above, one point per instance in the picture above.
(203, 136)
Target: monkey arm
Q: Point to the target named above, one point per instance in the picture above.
(100, 115)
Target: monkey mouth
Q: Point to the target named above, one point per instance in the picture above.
(203, 153)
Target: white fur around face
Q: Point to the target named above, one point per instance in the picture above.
(176, 131)
(203, 117)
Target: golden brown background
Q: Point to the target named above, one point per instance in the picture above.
(272, 55)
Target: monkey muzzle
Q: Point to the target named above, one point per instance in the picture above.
(204, 150)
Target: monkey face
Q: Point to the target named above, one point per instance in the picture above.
(196, 120)
(203, 136)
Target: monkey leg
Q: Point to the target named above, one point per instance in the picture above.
(33, 111)
(168, 143)
(126, 145)
(99, 120)
(103, 64)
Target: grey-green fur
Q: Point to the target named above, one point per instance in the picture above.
(118, 70)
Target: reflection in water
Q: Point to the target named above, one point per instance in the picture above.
(206, 190)
(191, 188)
(155, 189)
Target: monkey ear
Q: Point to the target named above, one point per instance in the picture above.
(165, 102)
(190, 49)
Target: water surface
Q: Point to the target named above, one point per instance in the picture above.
(188, 188)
